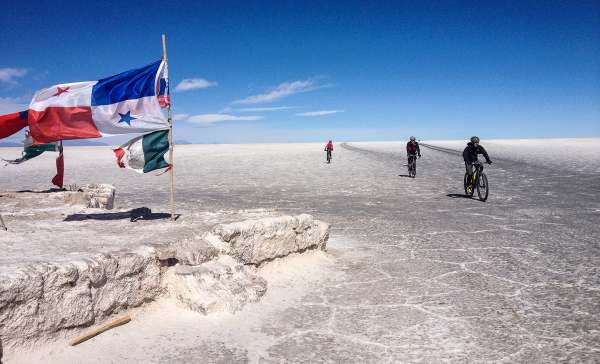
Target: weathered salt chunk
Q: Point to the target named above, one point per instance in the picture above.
(40, 300)
(194, 251)
(257, 241)
(100, 196)
(43, 299)
(222, 284)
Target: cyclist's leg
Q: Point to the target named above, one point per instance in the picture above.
(469, 169)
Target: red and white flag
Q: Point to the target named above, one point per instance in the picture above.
(120, 104)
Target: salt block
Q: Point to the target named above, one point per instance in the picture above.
(260, 240)
(100, 196)
(222, 284)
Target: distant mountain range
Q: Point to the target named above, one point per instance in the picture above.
(80, 143)
(83, 143)
(10, 144)
(68, 143)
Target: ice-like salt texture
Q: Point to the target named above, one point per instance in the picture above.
(100, 196)
(222, 284)
(414, 271)
(256, 241)
(43, 299)
(226, 283)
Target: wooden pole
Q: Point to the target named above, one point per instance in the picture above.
(170, 121)
(118, 322)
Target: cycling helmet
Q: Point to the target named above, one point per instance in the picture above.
(474, 139)
(412, 139)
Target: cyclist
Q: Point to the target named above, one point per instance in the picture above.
(329, 149)
(470, 155)
(412, 149)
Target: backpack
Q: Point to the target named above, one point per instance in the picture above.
(411, 148)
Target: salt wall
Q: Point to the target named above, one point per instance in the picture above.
(212, 272)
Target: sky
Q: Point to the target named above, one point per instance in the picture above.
(303, 71)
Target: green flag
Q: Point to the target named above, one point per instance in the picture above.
(31, 151)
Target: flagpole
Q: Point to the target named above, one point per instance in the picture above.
(170, 121)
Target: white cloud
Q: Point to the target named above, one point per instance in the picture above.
(283, 90)
(193, 84)
(215, 118)
(319, 113)
(8, 75)
(12, 104)
(177, 117)
(261, 109)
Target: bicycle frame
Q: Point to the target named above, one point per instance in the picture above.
(413, 163)
(477, 169)
(477, 181)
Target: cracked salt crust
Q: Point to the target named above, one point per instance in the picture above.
(493, 292)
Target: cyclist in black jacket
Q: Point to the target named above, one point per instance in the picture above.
(470, 154)
(412, 149)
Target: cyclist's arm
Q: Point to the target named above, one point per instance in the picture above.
(418, 150)
(484, 152)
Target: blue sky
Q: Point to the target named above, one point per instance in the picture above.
(294, 71)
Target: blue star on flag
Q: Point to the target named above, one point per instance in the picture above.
(126, 118)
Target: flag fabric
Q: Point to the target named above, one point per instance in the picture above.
(31, 150)
(120, 104)
(144, 153)
(163, 88)
(12, 123)
(60, 168)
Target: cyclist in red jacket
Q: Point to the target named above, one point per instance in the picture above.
(329, 149)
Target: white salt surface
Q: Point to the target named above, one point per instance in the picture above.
(180, 335)
(581, 155)
(416, 272)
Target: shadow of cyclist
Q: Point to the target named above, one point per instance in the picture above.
(458, 195)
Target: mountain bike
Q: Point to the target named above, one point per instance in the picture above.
(328, 156)
(412, 166)
(478, 181)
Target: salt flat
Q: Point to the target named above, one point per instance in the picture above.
(414, 272)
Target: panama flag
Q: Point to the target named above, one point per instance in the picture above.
(120, 104)
(144, 153)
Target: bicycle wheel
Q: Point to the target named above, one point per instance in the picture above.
(414, 169)
(468, 186)
(483, 188)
